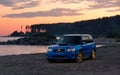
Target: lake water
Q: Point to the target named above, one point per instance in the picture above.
(21, 49)
(8, 38)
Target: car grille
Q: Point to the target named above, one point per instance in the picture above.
(59, 56)
(59, 50)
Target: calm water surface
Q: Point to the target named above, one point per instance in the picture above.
(8, 38)
(19, 49)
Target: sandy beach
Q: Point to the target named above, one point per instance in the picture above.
(107, 62)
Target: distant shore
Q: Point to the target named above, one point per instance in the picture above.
(28, 40)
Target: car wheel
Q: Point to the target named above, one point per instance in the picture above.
(93, 54)
(79, 57)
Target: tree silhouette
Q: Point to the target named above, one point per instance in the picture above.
(100, 27)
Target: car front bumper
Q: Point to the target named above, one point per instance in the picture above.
(61, 55)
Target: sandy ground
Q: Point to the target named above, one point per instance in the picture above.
(107, 62)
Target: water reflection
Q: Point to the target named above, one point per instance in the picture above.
(8, 38)
(16, 49)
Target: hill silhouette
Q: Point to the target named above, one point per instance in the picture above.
(100, 27)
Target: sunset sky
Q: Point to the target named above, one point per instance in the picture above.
(17, 13)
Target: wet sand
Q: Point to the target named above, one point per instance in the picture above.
(107, 62)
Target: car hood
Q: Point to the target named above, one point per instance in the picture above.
(64, 46)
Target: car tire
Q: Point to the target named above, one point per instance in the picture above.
(93, 54)
(79, 57)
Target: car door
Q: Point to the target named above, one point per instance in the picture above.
(86, 46)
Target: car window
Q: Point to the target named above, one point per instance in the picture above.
(69, 40)
(87, 39)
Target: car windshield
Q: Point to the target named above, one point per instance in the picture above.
(69, 40)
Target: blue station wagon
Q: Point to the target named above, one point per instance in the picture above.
(72, 47)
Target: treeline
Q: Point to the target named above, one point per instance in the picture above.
(100, 27)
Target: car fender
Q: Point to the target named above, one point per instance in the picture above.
(94, 47)
(78, 48)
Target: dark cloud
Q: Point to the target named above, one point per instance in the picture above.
(52, 13)
(19, 4)
(7, 3)
(93, 4)
(104, 4)
(67, 1)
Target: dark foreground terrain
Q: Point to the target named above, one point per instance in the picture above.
(107, 62)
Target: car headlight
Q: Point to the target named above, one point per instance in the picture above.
(71, 49)
(49, 50)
